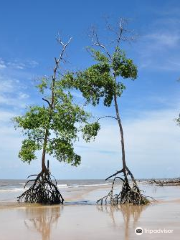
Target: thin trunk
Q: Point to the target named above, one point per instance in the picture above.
(52, 103)
(44, 168)
(44, 151)
(121, 133)
(51, 107)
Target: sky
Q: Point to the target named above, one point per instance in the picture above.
(148, 107)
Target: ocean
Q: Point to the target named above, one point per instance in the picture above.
(10, 189)
(88, 190)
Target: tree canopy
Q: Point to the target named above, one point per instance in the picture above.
(100, 80)
(64, 122)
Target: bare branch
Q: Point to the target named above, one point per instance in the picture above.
(123, 33)
(57, 62)
(33, 175)
(32, 180)
(121, 30)
(120, 171)
(129, 172)
(47, 101)
(108, 25)
(64, 45)
(96, 42)
(107, 117)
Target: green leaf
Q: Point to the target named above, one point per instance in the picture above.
(90, 131)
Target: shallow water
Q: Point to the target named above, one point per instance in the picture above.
(79, 222)
(80, 218)
(87, 191)
(11, 189)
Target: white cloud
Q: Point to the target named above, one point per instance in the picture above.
(32, 63)
(2, 64)
(23, 95)
(10, 165)
(160, 65)
(163, 39)
(152, 146)
(17, 64)
(8, 85)
(158, 49)
(152, 143)
(5, 116)
(13, 97)
(11, 92)
(12, 101)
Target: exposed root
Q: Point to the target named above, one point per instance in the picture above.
(130, 193)
(43, 190)
(167, 182)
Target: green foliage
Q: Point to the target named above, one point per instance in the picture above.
(91, 130)
(63, 151)
(35, 117)
(94, 83)
(61, 123)
(98, 56)
(123, 66)
(101, 80)
(43, 84)
(28, 149)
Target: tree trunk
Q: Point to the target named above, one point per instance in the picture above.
(51, 107)
(121, 134)
(44, 168)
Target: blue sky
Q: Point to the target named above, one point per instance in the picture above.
(148, 106)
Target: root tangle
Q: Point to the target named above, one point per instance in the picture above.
(130, 193)
(43, 190)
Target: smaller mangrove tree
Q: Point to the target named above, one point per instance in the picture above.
(52, 127)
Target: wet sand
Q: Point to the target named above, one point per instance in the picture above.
(89, 222)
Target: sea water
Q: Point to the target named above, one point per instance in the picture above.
(11, 189)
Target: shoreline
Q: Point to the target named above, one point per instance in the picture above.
(90, 194)
(81, 218)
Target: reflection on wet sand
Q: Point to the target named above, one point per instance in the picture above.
(130, 214)
(43, 219)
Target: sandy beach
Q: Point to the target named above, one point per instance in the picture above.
(80, 218)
